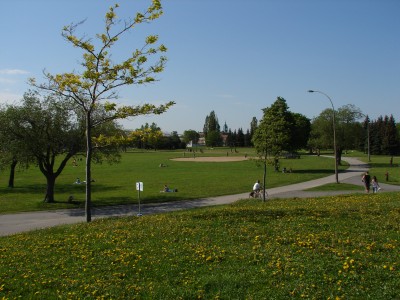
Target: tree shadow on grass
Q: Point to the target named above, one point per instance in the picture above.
(383, 165)
(313, 171)
(28, 189)
(65, 188)
(168, 197)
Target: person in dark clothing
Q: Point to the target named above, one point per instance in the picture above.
(367, 181)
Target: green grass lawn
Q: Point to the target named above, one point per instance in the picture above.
(115, 184)
(380, 165)
(343, 247)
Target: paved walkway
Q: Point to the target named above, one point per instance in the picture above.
(20, 222)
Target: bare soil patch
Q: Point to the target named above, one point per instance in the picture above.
(211, 158)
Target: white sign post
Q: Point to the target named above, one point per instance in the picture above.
(139, 188)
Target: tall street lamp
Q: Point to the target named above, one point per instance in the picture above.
(334, 133)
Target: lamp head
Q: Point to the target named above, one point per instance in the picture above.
(311, 91)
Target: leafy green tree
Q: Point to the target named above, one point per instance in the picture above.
(11, 149)
(146, 137)
(300, 132)
(273, 134)
(46, 130)
(108, 140)
(191, 136)
(213, 139)
(96, 85)
(173, 141)
(322, 130)
(348, 130)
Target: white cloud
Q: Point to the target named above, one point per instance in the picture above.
(13, 72)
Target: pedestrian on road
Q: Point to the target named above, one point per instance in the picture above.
(375, 185)
(367, 181)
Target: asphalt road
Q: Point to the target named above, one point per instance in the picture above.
(21, 222)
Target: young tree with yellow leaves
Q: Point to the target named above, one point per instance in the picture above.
(94, 88)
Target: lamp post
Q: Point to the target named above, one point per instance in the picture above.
(334, 133)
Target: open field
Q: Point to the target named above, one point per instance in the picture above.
(343, 247)
(213, 172)
(115, 184)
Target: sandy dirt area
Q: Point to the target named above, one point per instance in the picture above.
(211, 159)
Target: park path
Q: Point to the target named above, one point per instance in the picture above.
(21, 222)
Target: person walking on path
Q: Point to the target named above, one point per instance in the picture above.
(367, 181)
(375, 185)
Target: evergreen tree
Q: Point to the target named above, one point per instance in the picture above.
(253, 127)
(212, 131)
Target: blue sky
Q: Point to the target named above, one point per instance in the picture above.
(234, 57)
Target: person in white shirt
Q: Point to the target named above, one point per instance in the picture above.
(256, 186)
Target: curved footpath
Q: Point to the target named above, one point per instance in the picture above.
(20, 222)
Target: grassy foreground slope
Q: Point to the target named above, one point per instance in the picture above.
(344, 247)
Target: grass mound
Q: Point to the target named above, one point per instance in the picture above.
(321, 248)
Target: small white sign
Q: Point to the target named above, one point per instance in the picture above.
(139, 186)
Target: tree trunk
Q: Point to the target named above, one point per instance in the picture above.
(51, 182)
(264, 178)
(12, 173)
(88, 203)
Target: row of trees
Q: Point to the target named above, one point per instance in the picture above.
(300, 125)
(382, 135)
(215, 137)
